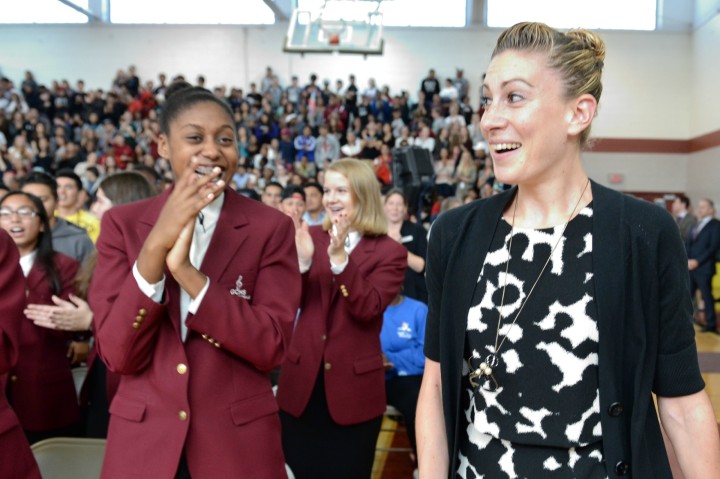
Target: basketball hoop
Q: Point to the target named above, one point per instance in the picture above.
(338, 26)
(332, 32)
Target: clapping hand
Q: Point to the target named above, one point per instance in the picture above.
(338, 237)
(73, 315)
(170, 239)
(303, 241)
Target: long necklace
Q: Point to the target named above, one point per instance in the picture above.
(485, 369)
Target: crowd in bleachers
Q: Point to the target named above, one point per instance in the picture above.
(61, 144)
(287, 135)
(287, 132)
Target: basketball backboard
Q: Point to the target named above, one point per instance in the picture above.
(342, 26)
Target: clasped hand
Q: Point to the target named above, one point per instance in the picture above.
(170, 239)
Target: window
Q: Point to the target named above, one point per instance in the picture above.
(594, 14)
(245, 12)
(42, 11)
(396, 13)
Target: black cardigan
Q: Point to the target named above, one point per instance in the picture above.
(647, 342)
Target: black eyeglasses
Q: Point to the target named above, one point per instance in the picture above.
(25, 213)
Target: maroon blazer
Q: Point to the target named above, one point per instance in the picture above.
(42, 390)
(112, 380)
(16, 460)
(339, 327)
(211, 396)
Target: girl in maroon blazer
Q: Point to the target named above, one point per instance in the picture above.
(332, 383)
(195, 293)
(15, 455)
(41, 389)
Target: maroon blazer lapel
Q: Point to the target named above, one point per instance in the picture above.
(227, 240)
(34, 278)
(364, 250)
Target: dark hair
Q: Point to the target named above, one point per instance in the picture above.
(40, 178)
(396, 191)
(249, 193)
(180, 96)
(291, 190)
(273, 183)
(68, 173)
(45, 251)
(316, 185)
(126, 187)
(684, 200)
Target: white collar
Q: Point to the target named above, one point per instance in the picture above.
(704, 221)
(211, 213)
(353, 239)
(27, 262)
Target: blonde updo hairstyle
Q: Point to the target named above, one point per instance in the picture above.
(578, 56)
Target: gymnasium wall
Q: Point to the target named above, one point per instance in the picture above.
(638, 80)
(703, 175)
(704, 165)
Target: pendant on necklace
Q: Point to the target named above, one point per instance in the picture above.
(485, 373)
(492, 361)
(488, 379)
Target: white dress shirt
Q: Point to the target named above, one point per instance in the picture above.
(201, 240)
(27, 262)
(700, 225)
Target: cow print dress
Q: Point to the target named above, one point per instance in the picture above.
(539, 414)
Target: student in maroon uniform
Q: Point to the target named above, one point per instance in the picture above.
(15, 455)
(41, 390)
(195, 293)
(332, 383)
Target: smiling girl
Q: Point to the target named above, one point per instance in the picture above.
(194, 295)
(332, 383)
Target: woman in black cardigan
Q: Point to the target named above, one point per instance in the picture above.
(556, 308)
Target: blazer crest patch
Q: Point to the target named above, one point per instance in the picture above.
(238, 290)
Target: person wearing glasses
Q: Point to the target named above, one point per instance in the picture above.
(41, 389)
